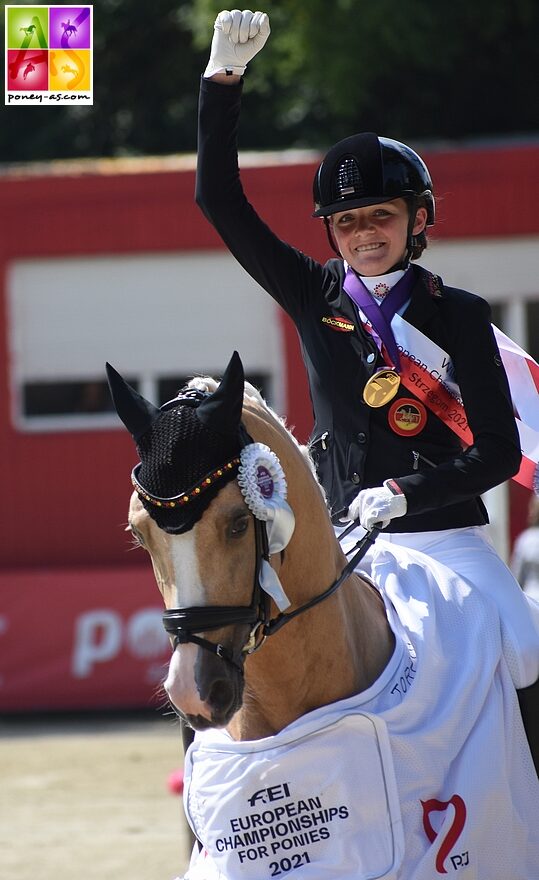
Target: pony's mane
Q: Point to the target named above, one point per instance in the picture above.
(252, 399)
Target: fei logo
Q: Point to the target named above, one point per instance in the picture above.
(49, 53)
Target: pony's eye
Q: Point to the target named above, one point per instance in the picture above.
(238, 526)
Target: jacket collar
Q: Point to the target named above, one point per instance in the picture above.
(426, 291)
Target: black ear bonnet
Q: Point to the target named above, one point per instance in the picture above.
(189, 448)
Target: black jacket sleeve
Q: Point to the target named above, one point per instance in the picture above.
(283, 271)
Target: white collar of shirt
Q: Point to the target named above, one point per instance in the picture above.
(390, 278)
(370, 282)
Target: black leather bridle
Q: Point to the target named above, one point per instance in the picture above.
(183, 623)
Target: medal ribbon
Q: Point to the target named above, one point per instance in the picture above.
(381, 316)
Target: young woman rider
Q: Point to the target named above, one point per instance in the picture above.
(413, 418)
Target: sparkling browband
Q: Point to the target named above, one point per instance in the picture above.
(190, 494)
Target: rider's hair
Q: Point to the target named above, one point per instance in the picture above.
(419, 242)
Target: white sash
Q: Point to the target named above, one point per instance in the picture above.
(436, 366)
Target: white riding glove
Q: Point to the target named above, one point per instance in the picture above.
(377, 506)
(237, 38)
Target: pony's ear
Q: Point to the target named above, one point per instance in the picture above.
(222, 410)
(137, 413)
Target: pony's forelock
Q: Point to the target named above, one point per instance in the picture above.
(203, 383)
(209, 384)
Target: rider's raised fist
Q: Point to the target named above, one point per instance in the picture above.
(237, 37)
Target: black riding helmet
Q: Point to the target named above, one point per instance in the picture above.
(365, 169)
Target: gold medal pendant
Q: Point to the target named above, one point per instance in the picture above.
(381, 388)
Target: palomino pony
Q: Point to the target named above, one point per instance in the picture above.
(343, 726)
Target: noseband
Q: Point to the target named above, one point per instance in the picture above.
(183, 623)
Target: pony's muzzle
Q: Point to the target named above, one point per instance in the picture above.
(204, 689)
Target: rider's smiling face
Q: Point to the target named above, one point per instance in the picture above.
(373, 239)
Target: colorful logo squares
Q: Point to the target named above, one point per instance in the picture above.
(48, 54)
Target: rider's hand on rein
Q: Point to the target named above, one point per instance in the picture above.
(377, 506)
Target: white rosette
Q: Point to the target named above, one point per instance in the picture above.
(263, 485)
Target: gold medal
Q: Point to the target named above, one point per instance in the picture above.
(381, 388)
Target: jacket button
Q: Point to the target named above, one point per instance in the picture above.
(356, 479)
(362, 437)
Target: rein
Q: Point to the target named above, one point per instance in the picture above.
(182, 623)
(362, 546)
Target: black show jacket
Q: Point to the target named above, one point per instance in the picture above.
(352, 444)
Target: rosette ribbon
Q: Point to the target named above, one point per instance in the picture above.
(263, 485)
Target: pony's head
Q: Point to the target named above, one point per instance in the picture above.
(210, 507)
